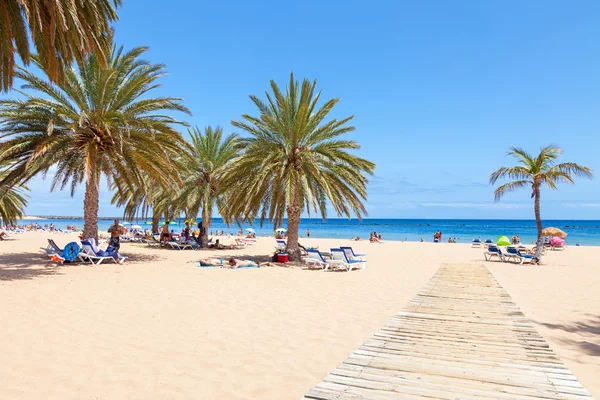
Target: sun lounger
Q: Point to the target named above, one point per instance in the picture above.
(95, 255)
(52, 248)
(512, 253)
(476, 243)
(338, 256)
(281, 245)
(70, 253)
(493, 251)
(351, 255)
(315, 257)
(179, 246)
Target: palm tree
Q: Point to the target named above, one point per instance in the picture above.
(97, 122)
(210, 158)
(535, 172)
(295, 162)
(13, 201)
(61, 31)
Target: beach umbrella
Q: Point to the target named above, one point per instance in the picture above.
(503, 241)
(136, 227)
(280, 230)
(250, 230)
(554, 232)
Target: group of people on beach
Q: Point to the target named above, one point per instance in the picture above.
(437, 237)
(374, 237)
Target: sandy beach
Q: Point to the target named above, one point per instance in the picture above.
(159, 327)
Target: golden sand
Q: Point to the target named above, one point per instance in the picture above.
(159, 327)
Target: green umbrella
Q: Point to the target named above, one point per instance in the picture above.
(503, 241)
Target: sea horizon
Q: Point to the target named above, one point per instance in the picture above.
(579, 232)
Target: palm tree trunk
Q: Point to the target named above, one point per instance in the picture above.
(204, 230)
(155, 220)
(294, 210)
(538, 221)
(90, 207)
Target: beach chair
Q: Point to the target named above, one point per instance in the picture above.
(95, 255)
(476, 243)
(512, 253)
(338, 257)
(52, 248)
(315, 257)
(493, 251)
(179, 246)
(70, 253)
(351, 255)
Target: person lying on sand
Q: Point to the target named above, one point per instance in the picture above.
(231, 263)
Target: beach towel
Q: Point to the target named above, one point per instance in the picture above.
(99, 252)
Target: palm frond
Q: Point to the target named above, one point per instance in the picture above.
(293, 152)
(61, 31)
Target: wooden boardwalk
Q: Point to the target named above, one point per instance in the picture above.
(461, 337)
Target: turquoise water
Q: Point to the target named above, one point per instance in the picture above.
(579, 232)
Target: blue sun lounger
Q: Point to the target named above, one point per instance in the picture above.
(338, 256)
(352, 255)
(493, 251)
(315, 257)
(512, 253)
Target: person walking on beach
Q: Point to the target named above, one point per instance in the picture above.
(115, 235)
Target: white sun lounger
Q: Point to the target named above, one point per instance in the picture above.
(88, 254)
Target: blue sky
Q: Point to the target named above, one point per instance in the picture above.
(439, 89)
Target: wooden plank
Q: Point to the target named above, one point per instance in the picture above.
(461, 337)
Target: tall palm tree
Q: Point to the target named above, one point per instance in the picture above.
(211, 157)
(295, 161)
(61, 31)
(97, 122)
(535, 172)
(13, 201)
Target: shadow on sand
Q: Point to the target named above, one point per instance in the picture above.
(28, 265)
(18, 266)
(589, 328)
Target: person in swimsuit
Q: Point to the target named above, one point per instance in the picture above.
(165, 235)
(231, 263)
(115, 235)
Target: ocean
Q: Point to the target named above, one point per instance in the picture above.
(582, 232)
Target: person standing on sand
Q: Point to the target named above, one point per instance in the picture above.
(308, 233)
(115, 235)
(165, 235)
